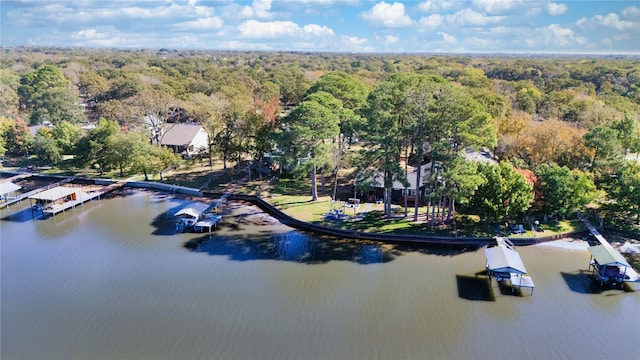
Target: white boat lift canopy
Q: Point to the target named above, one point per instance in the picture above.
(54, 194)
(501, 259)
(194, 210)
(8, 187)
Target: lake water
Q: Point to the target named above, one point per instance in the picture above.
(112, 279)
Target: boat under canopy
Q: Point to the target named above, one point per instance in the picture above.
(501, 259)
(610, 266)
(504, 263)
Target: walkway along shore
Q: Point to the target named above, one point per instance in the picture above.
(321, 229)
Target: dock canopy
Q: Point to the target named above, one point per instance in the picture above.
(7, 187)
(54, 194)
(606, 255)
(501, 259)
(194, 210)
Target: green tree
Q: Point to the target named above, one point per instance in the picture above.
(46, 150)
(56, 105)
(8, 101)
(95, 147)
(564, 190)
(386, 114)
(604, 144)
(503, 193)
(124, 148)
(628, 130)
(5, 126)
(625, 190)
(36, 82)
(67, 136)
(306, 131)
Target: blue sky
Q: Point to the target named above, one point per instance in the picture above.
(449, 26)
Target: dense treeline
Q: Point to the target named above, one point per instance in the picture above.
(570, 121)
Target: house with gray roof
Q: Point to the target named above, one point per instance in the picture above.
(185, 139)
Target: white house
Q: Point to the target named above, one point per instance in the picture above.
(186, 139)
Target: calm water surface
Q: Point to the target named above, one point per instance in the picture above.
(112, 280)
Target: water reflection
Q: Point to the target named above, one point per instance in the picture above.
(293, 246)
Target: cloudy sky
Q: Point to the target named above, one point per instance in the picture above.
(450, 26)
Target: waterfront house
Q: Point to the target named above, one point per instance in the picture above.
(185, 139)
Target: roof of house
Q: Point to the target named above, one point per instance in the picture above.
(179, 134)
(606, 255)
(412, 178)
(469, 154)
(503, 259)
(54, 194)
(7, 187)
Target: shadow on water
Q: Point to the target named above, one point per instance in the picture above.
(582, 282)
(293, 246)
(475, 287)
(23, 215)
(165, 223)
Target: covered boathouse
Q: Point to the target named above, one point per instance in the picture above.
(609, 266)
(6, 188)
(60, 198)
(504, 263)
(197, 216)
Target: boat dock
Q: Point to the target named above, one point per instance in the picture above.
(504, 263)
(56, 199)
(607, 264)
(21, 197)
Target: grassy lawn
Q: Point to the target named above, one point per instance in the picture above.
(373, 220)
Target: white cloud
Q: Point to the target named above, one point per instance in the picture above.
(436, 5)
(353, 40)
(632, 12)
(447, 38)
(253, 29)
(498, 6)
(260, 9)
(317, 30)
(470, 17)
(555, 9)
(613, 21)
(431, 22)
(268, 30)
(390, 39)
(90, 34)
(556, 36)
(387, 15)
(208, 23)
(354, 44)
